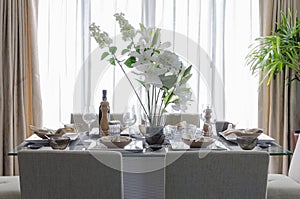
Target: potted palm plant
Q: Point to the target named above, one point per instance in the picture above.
(272, 54)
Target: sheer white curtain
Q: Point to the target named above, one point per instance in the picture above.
(60, 57)
(211, 35)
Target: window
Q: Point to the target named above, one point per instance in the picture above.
(211, 35)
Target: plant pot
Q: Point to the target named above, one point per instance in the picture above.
(155, 135)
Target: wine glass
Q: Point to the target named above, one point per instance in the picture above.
(129, 117)
(89, 116)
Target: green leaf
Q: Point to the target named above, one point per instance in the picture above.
(125, 51)
(141, 82)
(272, 54)
(142, 27)
(187, 71)
(105, 54)
(175, 100)
(130, 45)
(112, 49)
(155, 37)
(185, 79)
(131, 60)
(168, 81)
(112, 61)
(168, 98)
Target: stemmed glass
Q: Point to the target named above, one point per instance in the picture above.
(129, 117)
(89, 116)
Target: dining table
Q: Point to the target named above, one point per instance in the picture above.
(143, 165)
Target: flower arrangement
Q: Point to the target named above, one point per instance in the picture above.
(163, 75)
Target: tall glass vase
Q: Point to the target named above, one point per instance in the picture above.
(155, 130)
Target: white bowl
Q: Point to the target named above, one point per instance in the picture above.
(200, 142)
(115, 141)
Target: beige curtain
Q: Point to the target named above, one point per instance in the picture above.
(277, 103)
(20, 101)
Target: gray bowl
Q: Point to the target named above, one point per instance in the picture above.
(247, 142)
(59, 142)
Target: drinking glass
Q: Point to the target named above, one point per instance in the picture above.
(170, 131)
(89, 116)
(129, 117)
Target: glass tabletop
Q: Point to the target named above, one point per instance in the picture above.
(138, 147)
(272, 148)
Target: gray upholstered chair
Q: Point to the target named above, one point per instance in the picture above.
(9, 187)
(282, 186)
(77, 119)
(175, 118)
(70, 174)
(117, 116)
(216, 174)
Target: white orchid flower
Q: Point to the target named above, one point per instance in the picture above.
(151, 74)
(184, 96)
(144, 57)
(162, 46)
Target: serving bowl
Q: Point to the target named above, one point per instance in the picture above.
(42, 132)
(254, 132)
(200, 142)
(46, 133)
(59, 142)
(247, 142)
(115, 141)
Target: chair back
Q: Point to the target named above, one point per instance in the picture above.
(216, 174)
(70, 174)
(294, 170)
(76, 118)
(175, 118)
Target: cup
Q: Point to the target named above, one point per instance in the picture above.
(114, 127)
(189, 130)
(170, 131)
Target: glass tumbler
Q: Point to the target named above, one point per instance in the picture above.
(170, 131)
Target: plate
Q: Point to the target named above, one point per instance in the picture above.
(200, 142)
(72, 136)
(178, 145)
(135, 146)
(35, 139)
(262, 138)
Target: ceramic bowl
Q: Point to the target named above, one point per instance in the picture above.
(115, 141)
(45, 133)
(247, 142)
(59, 142)
(42, 132)
(200, 142)
(254, 132)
